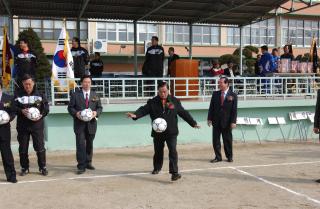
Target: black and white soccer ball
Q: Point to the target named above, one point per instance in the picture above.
(4, 117)
(159, 125)
(86, 115)
(33, 114)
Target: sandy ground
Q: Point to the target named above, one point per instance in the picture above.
(271, 175)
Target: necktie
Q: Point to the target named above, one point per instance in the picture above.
(87, 101)
(222, 98)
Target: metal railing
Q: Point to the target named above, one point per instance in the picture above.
(131, 89)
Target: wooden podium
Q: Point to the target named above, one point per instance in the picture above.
(185, 68)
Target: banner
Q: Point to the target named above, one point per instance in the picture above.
(7, 60)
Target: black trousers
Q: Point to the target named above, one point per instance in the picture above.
(84, 142)
(171, 142)
(38, 146)
(227, 141)
(7, 157)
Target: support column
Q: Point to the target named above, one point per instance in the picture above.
(190, 40)
(241, 49)
(135, 51)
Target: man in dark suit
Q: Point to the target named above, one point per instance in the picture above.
(6, 103)
(84, 131)
(167, 107)
(222, 116)
(316, 125)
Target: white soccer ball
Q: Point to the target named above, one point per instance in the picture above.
(4, 117)
(86, 115)
(159, 125)
(33, 114)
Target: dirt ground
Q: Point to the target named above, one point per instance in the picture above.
(271, 175)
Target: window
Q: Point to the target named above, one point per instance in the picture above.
(202, 35)
(124, 32)
(261, 33)
(299, 32)
(50, 29)
(3, 21)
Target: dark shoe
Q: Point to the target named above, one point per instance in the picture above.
(155, 172)
(24, 171)
(318, 181)
(12, 179)
(230, 160)
(81, 171)
(215, 160)
(175, 176)
(90, 167)
(43, 171)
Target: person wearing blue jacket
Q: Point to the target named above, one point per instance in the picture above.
(266, 63)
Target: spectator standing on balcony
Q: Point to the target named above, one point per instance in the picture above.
(257, 69)
(216, 70)
(172, 57)
(286, 53)
(229, 70)
(80, 58)
(25, 62)
(153, 64)
(266, 62)
(96, 66)
(276, 58)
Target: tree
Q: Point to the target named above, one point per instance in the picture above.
(43, 70)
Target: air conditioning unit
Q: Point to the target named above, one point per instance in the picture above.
(1, 42)
(100, 46)
(147, 44)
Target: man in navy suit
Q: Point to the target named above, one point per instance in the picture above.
(222, 116)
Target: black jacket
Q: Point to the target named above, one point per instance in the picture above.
(153, 64)
(226, 114)
(25, 63)
(35, 99)
(227, 73)
(169, 113)
(96, 68)
(171, 59)
(77, 103)
(317, 112)
(80, 60)
(6, 104)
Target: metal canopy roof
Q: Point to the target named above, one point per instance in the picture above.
(230, 12)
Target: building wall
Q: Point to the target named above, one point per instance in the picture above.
(60, 135)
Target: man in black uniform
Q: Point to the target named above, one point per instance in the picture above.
(26, 98)
(222, 116)
(167, 107)
(153, 64)
(25, 62)
(85, 131)
(96, 66)
(5, 137)
(80, 58)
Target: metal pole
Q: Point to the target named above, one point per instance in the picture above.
(190, 40)
(11, 37)
(78, 28)
(241, 49)
(135, 52)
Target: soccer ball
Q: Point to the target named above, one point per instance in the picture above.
(86, 115)
(4, 117)
(33, 114)
(159, 125)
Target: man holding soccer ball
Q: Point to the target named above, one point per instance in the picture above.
(163, 110)
(85, 107)
(31, 108)
(5, 135)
